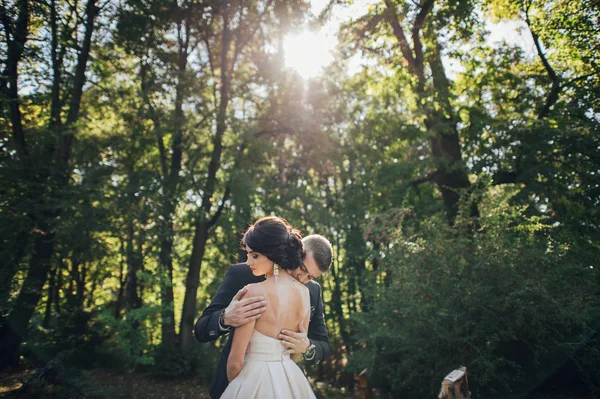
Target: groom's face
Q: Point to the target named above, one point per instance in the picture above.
(308, 270)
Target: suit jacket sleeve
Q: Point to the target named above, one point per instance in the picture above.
(317, 330)
(207, 327)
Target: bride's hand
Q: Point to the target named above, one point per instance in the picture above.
(295, 342)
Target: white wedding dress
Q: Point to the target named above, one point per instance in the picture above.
(268, 373)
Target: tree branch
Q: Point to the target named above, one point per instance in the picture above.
(583, 77)
(217, 214)
(369, 26)
(215, 159)
(239, 47)
(66, 138)
(392, 18)
(155, 120)
(425, 179)
(417, 27)
(505, 177)
(9, 81)
(55, 105)
(556, 87)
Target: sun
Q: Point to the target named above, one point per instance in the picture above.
(308, 52)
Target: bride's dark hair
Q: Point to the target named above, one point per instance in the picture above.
(273, 237)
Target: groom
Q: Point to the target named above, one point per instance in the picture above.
(228, 310)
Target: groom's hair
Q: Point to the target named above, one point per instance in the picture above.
(320, 249)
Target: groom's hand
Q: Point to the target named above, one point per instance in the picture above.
(295, 342)
(241, 311)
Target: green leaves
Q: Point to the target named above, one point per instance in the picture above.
(365, 160)
(502, 301)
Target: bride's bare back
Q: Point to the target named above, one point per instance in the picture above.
(288, 304)
(271, 371)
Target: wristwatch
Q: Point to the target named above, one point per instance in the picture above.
(310, 352)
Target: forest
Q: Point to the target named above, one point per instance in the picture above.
(449, 150)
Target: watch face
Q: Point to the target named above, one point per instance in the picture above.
(310, 352)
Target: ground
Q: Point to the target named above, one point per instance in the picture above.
(111, 384)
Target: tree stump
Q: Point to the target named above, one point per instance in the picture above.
(364, 385)
(455, 385)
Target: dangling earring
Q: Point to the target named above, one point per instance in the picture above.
(275, 271)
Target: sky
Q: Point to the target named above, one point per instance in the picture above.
(308, 52)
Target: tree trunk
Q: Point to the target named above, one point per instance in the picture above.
(166, 295)
(440, 121)
(72, 301)
(59, 276)
(55, 104)
(9, 96)
(66, 134)
(119, 300)
(355, 244)
(171, 183)
(192, 283)
(336, 303)
(451, 176)
(344, 377)
(90, 298)
(82, 276)
(204, 221)
(15, 46)
(141, 239)
(50, 297)
(132, 300)
(12, 256)
(15, 330)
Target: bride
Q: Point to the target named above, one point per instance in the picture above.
(257, 366)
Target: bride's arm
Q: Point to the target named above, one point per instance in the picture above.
(241, 338)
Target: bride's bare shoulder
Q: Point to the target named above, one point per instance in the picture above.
(255, 290)
(305, 291)
(302, 289)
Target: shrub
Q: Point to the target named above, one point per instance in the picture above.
(512, 299)
(129, 345)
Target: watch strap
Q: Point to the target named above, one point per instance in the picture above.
(310, 352)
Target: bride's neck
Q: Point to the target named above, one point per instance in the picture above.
(282, 272)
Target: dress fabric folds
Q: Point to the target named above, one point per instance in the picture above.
(268, 373)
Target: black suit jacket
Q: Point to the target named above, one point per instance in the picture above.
(207, 327)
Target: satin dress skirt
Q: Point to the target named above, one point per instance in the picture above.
(268, 373)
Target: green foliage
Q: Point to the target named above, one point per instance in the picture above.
(200, 362)
(512, 295)
(512, 301)
(129, 345)
(77, 333)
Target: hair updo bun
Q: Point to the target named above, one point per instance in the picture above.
(277, 240)
(294, 251)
